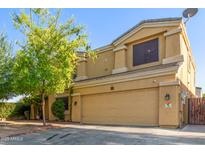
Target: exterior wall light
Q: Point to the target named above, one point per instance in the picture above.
(167, 97)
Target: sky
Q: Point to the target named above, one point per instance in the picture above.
(104, 25)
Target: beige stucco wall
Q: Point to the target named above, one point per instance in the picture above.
(187, 71)
(169, 116)
(120, 59)
(82, 69)
(76, 108)
(102, 66)
(172, 45)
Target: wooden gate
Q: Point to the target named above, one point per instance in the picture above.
(197, 111)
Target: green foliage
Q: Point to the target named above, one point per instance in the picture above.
(204, 95)
(11, 110)
(7, 110)
(48, 57)
(32, 99)
(58, 109)
(6, 64)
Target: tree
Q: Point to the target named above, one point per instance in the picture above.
(48, 57)
(6, 64)
(204, 95)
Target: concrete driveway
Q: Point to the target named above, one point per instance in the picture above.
(104, 135)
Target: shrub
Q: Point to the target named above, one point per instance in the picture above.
(7, 110)
(12, 110)
(58, 109)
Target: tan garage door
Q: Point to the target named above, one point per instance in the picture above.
(137, 107)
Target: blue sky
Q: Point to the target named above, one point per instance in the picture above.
(104, 25)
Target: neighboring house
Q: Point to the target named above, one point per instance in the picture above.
(142, 78)
(199, 92)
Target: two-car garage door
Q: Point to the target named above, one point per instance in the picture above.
(136, 107)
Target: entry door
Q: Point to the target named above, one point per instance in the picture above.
(197, 111)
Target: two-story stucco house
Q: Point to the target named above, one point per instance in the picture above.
(141, 78)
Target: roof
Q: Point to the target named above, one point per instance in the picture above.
(147, 21)
(198, 88)
(139, 24)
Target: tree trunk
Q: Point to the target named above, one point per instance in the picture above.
(43, 109)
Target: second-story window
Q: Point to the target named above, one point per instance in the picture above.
(145, 52)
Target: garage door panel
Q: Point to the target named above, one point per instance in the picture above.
(137, 107)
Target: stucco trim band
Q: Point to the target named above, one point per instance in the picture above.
(82, 60)
(174, 59)
(170, 83)
(128, 77)
(123, 47)
(172, 32)
(81, 78)
(75, 94)
(103, 49)
(119, 70)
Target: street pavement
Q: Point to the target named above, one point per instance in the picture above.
(111, 135)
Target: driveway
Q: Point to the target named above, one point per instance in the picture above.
(13, 129)
(98, 135)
